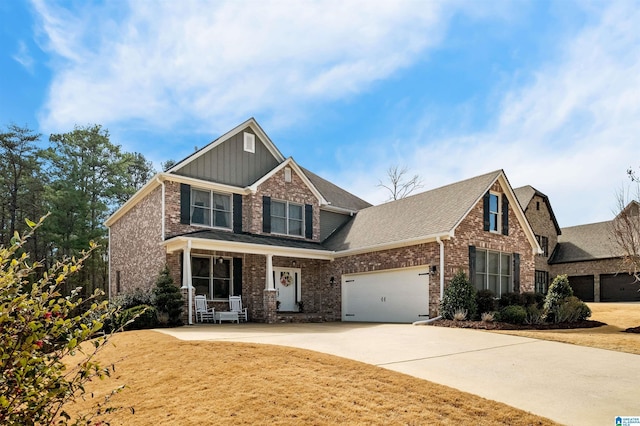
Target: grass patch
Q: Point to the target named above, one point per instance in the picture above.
(617, 316)
(170, 382)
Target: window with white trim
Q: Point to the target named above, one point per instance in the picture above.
(494, 271)
(249, 142)
(212, 276)
(494, 212)
(210, 208)
(287, 218)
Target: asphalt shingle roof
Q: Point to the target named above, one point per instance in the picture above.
(421, 215)
(585, 242)
(335, 195)
(524, 195)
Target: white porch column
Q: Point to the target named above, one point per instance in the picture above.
(269, 284)
(186, 278)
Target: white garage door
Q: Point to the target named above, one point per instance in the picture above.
(399, 295)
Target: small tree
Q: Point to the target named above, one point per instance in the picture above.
(168, 298)
(458, 296)
(398, 185)
(559, 291)
(39, 330)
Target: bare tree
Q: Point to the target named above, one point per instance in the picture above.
(399, 184)
(626, 228)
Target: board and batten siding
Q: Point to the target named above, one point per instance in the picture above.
(330, 221)
(230, 164)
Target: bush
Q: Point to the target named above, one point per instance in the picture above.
(486, 301)
(535, 315)
(509, 299)
(39, 328)
(487, 317)
(168, 299)
(132, 299)
(513, 314)
(460, 315)
(532, 299)
(572, 310)
(459, 295)
(137, 318)
(559, 290)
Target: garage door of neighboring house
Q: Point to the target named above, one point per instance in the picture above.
(582, 287)
(400, 295)
(619, 288)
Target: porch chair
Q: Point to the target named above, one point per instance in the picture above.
(203, 313)
(235, 305)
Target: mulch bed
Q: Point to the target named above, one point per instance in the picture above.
(504, 326)
(633, 330)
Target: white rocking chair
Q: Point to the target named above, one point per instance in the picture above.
(204, 313)
(235, 305)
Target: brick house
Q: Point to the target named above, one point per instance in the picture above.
(238, 218)
(586, 253)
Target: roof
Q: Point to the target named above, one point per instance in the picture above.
(267, 240)
(585, 242)
(425, 215)
(524, 195)
(336, 196)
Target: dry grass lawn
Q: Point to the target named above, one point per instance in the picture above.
(617, 316)
(173, 382)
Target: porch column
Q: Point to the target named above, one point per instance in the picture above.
(269, 284)
(186, 279)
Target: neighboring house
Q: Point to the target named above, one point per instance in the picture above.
(238, 218)
(539, 213)
(586, 253)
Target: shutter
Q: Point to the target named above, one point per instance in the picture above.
(516, 272)
(472, 266)
(237, 276)
(266, 214)
(185, 204)
(505, 215)
(237, 213)
(485, 201)
(308, 221)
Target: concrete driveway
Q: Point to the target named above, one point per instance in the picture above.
(570, 384)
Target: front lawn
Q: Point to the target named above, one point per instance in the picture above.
(617, 316)
(174, 382)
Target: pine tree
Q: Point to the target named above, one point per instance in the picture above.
(168, 298)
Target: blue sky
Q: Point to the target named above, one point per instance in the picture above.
(549, 91)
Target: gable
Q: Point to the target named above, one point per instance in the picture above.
(228, 162)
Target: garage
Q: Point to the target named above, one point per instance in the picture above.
(399, 295)
(619, 288)
(582, 287)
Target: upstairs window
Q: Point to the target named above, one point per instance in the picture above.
(287, 218)
(210, 208)
(494, 212)
(544, 245)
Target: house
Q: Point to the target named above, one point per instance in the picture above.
(586, 253)
(238, 218)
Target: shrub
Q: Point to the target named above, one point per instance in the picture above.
(559, 290)
(132, 299)
(509, 299)
(513, 314)
(486, 301)
(532, 299)
(572, 310)
(535, 315)
(459, 294)
(137, 318)
(487, 317)
(460, 315)
(168, 299)
(39, 328)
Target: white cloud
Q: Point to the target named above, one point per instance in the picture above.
(571, 132)
(218, 62)
(23, 57)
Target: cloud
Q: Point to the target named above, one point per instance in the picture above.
(23, 57)
(163, 63)
(571, 131)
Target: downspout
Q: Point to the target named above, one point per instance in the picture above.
(430, 320)
(109, 263)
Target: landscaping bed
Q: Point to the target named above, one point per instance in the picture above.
(633, 330)
(481, 325)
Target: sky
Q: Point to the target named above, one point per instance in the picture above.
(549, 91)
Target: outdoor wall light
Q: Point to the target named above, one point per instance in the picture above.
(293, 264)
(220, 260)
(433, 270)
(332, 281)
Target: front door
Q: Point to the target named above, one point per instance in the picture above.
(288, 287)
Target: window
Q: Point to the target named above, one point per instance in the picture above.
(494, 212)
(287, 218)
(117, 282)
(544, 245)
(542, 282)
(249, 142)
(493, 271)
(209, 208)
(212, 276)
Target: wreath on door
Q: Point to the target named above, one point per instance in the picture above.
(286, 279)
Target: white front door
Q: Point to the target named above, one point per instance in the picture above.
(288, 288)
